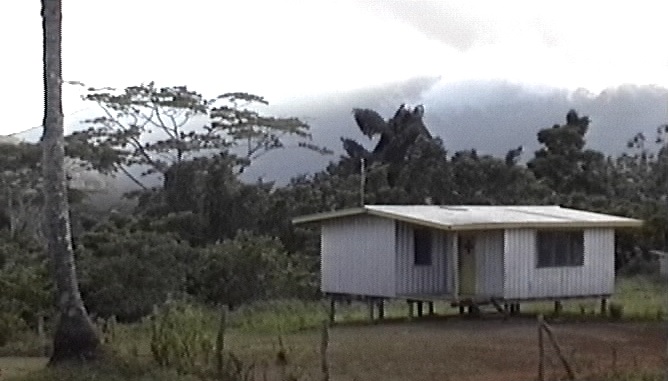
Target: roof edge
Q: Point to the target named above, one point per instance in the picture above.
(316, 217)
(620, 223)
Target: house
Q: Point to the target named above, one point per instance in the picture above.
(473, 254)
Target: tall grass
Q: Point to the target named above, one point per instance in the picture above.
(641, 298)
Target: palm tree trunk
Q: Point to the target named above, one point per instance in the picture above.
(75, 337)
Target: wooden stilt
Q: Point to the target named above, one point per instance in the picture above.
(557, 307)
(461, 309)
(419, 308)
(332, 309)
(604, 306)
(381, 309)
(370, 304)
(410, 309)
(430, 308)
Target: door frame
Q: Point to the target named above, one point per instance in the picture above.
(466, 264)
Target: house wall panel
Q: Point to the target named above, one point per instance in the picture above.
(489, 262)
(524, 280)
(358, 256)
(412, 279)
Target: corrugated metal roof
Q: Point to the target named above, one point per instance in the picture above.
(470, 217)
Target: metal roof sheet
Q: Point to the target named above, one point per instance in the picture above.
(468, 217)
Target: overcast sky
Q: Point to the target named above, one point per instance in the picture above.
(294, 49)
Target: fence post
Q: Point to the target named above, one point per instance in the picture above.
(541, 350)
(41, 334)
(557, 348)
(323, 351)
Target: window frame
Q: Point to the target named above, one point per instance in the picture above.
(570, 240)
(423, 246)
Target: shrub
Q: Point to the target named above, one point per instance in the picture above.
(245, 269)
(10, 326)
(124, 273)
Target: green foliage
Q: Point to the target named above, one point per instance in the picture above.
(26, 290)
(241, 270)
(235, 116)
(219, 203)
(185, 339)
(563, 163)
(125, 272)
(10, 325)
(158, 127)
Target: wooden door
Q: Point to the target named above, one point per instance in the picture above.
(467, 265)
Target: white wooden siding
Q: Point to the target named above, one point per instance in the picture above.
(412, 279)
(489, 263)
(358, 256)
(524, 280)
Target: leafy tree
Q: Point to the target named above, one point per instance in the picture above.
(484, 179)
(564, 164)
(397, 135)
(204, 201)
(158, 127)
(234, 116)
(75, 338)
(240, 270)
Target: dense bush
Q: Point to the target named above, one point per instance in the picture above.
(25, 287)
(244, 269)
(125, 272)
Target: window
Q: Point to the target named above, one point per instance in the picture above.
(422, 245)
(560, 248)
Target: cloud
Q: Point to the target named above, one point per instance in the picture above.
(445, 22)
(490, 116)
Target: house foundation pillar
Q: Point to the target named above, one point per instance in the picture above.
(558, 307)
(332, 309)
(370, 305)
(381, 309)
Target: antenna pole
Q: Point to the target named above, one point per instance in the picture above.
(362, 181)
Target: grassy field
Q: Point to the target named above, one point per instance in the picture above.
(440, 348)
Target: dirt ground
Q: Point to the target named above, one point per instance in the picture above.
(16, 366)
(475, 350)
(448, 349)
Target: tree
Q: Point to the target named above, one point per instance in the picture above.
(564, 164)
(397, 136)
(75, 338)
(159, 127)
